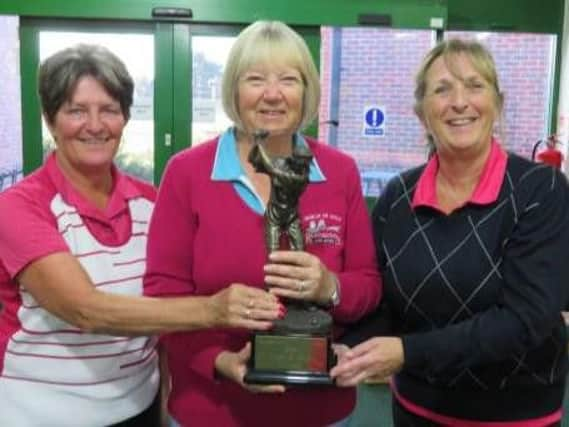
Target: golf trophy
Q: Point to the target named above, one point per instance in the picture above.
(297, 350)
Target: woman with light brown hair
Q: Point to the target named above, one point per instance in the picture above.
(469, 245)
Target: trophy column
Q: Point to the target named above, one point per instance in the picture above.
(298, 350)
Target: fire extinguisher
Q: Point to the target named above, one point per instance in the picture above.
(551, 155)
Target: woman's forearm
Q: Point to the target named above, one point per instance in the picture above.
(129, 315)
(60, 285)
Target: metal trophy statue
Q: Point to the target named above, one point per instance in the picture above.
(298, 348)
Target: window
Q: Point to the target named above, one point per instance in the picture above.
(367, 99)
(10, 107)
(209, 57)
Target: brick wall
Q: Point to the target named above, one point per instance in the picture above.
(377, 67)
(10, 112)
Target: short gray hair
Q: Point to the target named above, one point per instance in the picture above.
(270, 42)
(60, 73)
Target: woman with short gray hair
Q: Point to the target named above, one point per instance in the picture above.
(59, 75)
(72, 256)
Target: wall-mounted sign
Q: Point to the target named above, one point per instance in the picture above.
(374, 121)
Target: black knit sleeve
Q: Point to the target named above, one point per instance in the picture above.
(380, 213)
(535, 275)
(378, 322)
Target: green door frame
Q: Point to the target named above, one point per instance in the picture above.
(313, 39)
(163, 97)
(31, 111)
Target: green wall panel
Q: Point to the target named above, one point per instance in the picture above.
(182, 86)
(404, 13)
(541, 16)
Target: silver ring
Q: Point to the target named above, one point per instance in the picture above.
(251, 303)
(247, 314)
(301, 285)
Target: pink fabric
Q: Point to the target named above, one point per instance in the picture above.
(456, 422)
(203, 237)
(486, 191)
(110, 226)
(28, 229)
(27, 213)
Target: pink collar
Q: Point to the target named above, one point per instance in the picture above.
(486, 190)
(123, 190)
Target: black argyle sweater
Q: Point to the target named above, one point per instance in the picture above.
(476, 295)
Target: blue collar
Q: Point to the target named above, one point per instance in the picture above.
(227, 167)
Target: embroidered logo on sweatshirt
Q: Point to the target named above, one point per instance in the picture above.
(323, 229)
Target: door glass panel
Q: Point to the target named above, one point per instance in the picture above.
(367, 79)
(525, 64)
(136, 153)
(10, 107)
(209, 54)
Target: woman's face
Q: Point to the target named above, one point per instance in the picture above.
(459, 112)
(88, 127)
(270, 97)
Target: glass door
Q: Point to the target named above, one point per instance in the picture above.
(177, 68)
(209, 54)
(10, 110)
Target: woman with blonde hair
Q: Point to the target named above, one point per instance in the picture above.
(208, 232)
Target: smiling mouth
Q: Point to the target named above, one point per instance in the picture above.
(94, 141)
(461, 122)
(272, 113)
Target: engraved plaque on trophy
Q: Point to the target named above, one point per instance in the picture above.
(298, 350)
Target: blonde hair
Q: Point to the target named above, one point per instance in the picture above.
(270, 42)
(481, 60)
